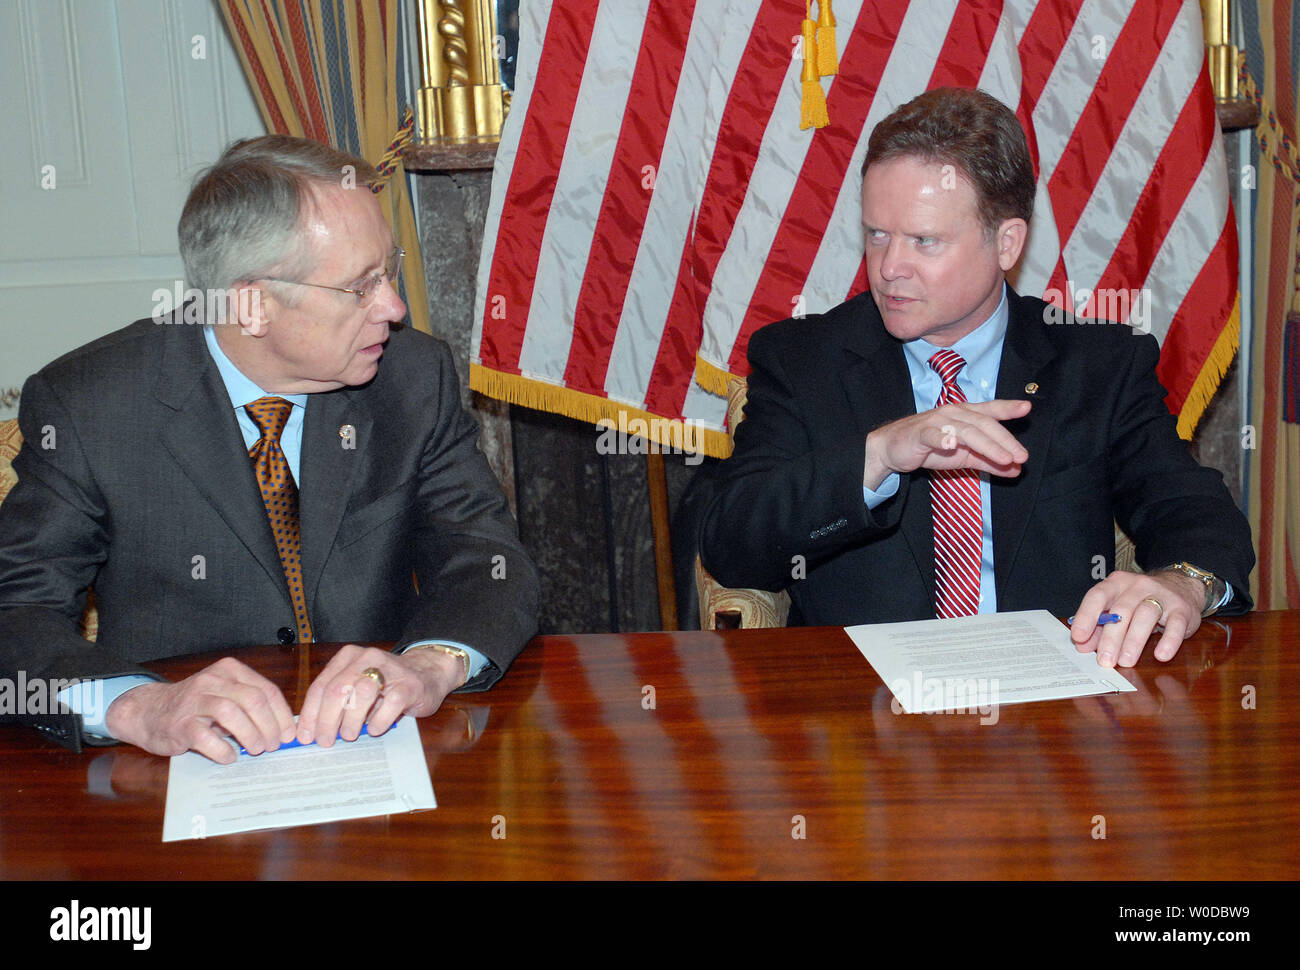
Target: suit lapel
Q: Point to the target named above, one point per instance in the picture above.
(876, 384)
(328, 473)
(1026, 352)
(878, 388)
(203, 437)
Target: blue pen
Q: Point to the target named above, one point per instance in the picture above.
(1102, 620)
(295, 743)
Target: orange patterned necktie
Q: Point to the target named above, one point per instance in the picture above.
(280, 496)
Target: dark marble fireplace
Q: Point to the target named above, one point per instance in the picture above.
(583, 516)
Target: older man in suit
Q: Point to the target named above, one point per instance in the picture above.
(942, 446)
(295, 467)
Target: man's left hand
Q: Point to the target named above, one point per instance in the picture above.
(344, 697)
(1144, 601)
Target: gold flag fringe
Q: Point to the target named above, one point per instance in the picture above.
(591, 408)
(711, 377)
(1211, 375)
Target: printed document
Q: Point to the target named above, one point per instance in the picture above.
(298, 786)
(973, 662)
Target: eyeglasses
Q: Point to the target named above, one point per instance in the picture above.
(365, 293)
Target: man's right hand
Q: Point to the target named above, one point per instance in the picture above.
(226, 700)
(953, 436)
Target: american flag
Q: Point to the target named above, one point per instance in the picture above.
(655, 200)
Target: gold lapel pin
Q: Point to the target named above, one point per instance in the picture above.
(1031, 388)
(347, 431)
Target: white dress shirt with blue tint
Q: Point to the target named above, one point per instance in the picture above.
(982, 351)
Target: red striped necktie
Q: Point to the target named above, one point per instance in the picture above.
(958, 522)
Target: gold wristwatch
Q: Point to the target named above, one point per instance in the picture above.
(456, 652)
(1214, 586)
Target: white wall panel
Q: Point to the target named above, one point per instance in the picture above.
(127, 101)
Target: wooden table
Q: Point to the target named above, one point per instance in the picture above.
(747, 754)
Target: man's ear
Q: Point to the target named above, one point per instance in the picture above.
(1010, 240)
(249, 308)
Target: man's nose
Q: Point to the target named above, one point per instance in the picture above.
(390, 303)
(893, 263)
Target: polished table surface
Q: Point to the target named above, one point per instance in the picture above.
(746, 754)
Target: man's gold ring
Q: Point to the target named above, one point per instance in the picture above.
(1155, 602)
(375, 674)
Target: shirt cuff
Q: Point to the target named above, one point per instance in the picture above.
(887, 490)
(1226, 597)
(92, 699)
(476, 660)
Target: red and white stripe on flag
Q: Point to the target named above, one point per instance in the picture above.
(655, 201)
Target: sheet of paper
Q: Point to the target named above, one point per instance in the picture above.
(298, 786)
(974, 662)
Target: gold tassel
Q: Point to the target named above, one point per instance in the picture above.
(813, 106)
(828, 63)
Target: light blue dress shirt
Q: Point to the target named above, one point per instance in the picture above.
(80, 698)
(982, 351)
(978, 380)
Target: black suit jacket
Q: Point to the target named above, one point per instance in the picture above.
(134, 478)
(1102, 448)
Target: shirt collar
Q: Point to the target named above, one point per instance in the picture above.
(241, 389)
(981, 348)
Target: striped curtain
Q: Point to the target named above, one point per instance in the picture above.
(1273, 471)
(335, 71)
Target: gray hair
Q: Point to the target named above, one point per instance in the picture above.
(243, 218)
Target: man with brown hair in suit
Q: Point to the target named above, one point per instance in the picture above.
(942, 446)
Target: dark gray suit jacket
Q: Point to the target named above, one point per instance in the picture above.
(134, 479)
(1102, 448)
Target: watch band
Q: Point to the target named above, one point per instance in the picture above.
(1214, 586)
(456, 652)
